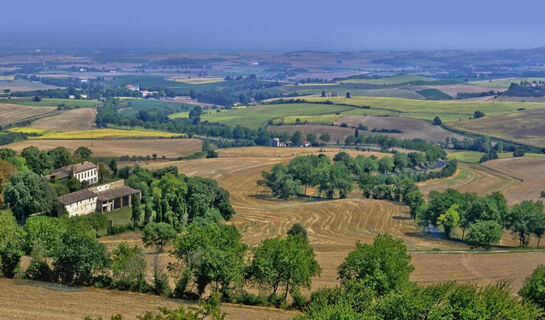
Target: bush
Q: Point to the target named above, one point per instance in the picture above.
(519, 153)
(276, 300)
(251, 299)
(534, 287)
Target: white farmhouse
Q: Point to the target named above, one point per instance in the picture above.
(85, 171)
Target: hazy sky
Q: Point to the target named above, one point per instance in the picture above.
(276, 24)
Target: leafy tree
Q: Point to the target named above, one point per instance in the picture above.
(214, 253)
(478, 114)
(281, 183)
(311, 138)
(437, 121)
(524, 219)
(113, 167)
(401, 161)
(73, 184)
(79, 258)
(298, 229)
(482, 234)
(83, 154)
(136, 211)
(36, 160)
(297, 138)
(11, 244)
(44, 233)
(325, 137)
(386, 164)
(534, 287)
(158, 235)
(449, 219)
(383, 266)
(288, 263)
(415, 201)
(519, 153)
(148, 211)
(129, 268)
(28, 193)
(60, 157)
(336, 178)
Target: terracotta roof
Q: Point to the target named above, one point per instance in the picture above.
(76, 196)
(115, 193)
(76, 168)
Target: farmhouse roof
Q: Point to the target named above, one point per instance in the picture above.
(116, 193)
(75, 168)
(77, 196)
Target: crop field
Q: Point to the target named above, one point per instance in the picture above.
(530, 170)
(412, 128)
(453, 89)
(50, 102)
(258, 116)
(106, 134)
(434, 94)
(503, 83)
(388, 81)
(199, 80)
(466, 156)
(76, 119)
(44, 300)
(183, 114)
(12, 112)
(7, 82)
(335, 225)
(452, 110)
(170, 148)
(322, 119)
(473, 178)
(524, 127)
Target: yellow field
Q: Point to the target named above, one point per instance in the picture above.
(199, 80)
(428, 109)
(106, 134)
(7, 78)
(183, 114)
(30, 130)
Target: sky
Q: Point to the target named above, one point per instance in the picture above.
(274, 25)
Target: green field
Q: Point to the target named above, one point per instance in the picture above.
(389, 81)
(466, 156)
(503, 83)
(434, 94)
(428, 109)
(47, 102)
(259, 116)
(322, 119)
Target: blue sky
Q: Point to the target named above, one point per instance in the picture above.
(276, 24)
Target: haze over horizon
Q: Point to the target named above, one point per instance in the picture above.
(274, 26)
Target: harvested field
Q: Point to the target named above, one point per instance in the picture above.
(53, 301)
(524, 127)
(453, 89)
(77, 119)
(337, 133)
(412, 128)
(334, 226)
(12, 113)
(107, 133)
(171, 148)
(531, 172)
(472, 178)
(23, 85)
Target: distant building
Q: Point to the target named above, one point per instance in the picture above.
(103, 198)
(305, 143)
(85, 171)
(275, 142)
(132, 87)
(71, 96)
(84, 96)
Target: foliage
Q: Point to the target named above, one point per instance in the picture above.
(11, 244)
(383, 266)
(281, 183)
(129, 268)
(214, 253)
(28, 193)
(449, 219)
(158, 235)
(525, 219)
(483, 234)
(534, 287)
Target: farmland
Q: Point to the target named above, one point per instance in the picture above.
(335, 225)
(258, 116)
(13, 113)
(523, 127)
(425, 109)
(47, 102)
(76, 119)
(503, 83)
(52, 301)
(171, 148)
(106, 134)
(199, 80)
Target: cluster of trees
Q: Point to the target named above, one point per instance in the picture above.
(309, 171)
(375, 285)
(526, 89)
(482, 218)
(176, 199)
(432, 152)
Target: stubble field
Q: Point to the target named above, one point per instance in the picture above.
(72, 120)
(13, 112)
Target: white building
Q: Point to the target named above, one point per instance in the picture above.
(85, 171)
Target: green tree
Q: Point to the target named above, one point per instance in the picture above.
(534, 287)
(11, 244)
(336, 178)
(158, 235)
(401, 161)
(386, 164)
(214, 253)
(415, 201)
(113, 167)
(325, 137)
(36, 160)
(523, 218)
(27, 193)
(437, 121)
(281, 183)
(83, 154)
(60, 157)
(136, 211)
(384, 265)
(297, 138)
(482, 234)
(297, 229)
(449, 219)
(288, 263)
(129, 268)
(79, 258)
